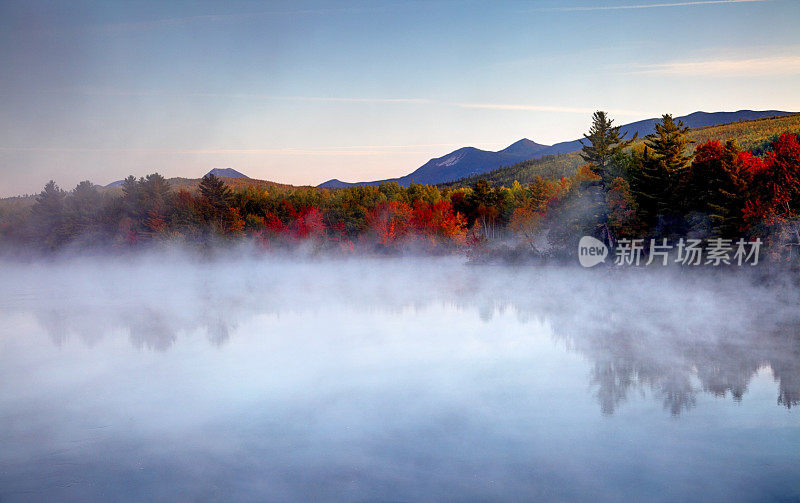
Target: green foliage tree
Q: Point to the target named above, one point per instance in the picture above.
(215, 191)
(669, 144)
(83, 209)
(605, 148)
(48, 216)
(659, 178)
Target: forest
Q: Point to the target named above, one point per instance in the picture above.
(663, 186)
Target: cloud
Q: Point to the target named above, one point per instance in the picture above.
(753, 67)
(348, 150)
(648, 6)
(545, 108)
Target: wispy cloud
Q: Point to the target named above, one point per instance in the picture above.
(544, 108)
(332, 99)
(756, 67)
(648, 5)
(346, 150)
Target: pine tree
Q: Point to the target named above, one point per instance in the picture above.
(82, 208)
(215, 190)
(649, 185)
(659, 184)
(48, 216)
(605, 146)
(669, 144)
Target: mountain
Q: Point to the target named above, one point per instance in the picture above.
(463, 162)
(750, 134)
(469, 161)
(694, 120)
(226, 172)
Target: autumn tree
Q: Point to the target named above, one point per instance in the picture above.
(773, 209)
(623, 220)
(717, 190)
(527, 222)
(389, 222)
(437, 223)
(308, 223)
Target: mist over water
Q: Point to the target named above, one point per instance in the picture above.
(161, 377)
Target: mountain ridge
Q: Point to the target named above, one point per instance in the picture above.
(458, 164)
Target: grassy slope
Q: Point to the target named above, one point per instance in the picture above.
(748, 134)
(191, 184)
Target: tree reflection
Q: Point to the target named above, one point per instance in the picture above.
(676, 365)
(635, 345)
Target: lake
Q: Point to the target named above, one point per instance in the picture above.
(165, 378)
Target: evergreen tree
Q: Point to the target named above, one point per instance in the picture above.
(215, 191)
(649, 182)
(659, 177)
(605, 147)
(669, 144)
(48, 216)
(82, 207)
(156, 192)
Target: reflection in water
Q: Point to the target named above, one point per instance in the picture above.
(639, 333)
(394, 380)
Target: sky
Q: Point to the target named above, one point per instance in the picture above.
(304, 91)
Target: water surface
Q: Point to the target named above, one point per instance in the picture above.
(251, 379)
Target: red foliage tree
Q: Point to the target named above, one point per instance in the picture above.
(437, 222)
(273, 223)
(776, 182)
(308, 223)
(389, 222)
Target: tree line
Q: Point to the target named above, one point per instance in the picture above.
(662, 187)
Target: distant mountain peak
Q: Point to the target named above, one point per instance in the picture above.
(334, 183)
(523, 147)
(458, 164)
(226, 172)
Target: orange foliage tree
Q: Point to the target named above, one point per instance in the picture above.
(389, 222)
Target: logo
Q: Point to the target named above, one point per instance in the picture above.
(591, 251)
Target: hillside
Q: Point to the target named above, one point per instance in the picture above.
(192, 184)
(749, 134)
(694, 120)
